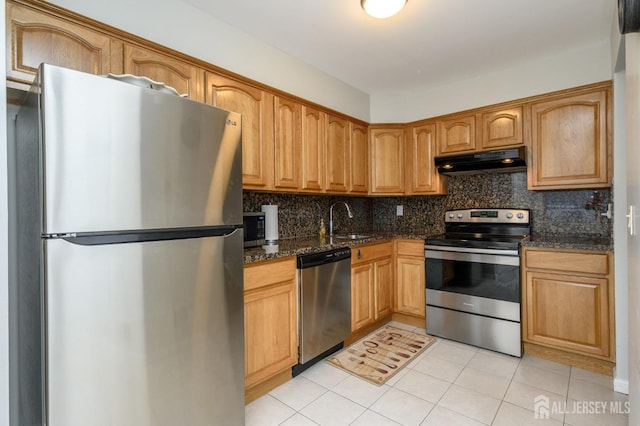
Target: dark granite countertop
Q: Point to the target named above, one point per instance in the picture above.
(312, 244)
(569, 242)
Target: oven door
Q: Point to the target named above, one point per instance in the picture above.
(485, 282)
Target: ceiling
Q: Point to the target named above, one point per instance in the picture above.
(430, 42)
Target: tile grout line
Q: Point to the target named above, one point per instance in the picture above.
(443, 343)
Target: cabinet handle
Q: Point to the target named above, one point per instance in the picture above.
(358, 254)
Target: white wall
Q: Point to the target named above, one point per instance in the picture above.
(621, 376)
(184, 28)
(621, 267)
(632, 73)
(4, 244)
(573, 68)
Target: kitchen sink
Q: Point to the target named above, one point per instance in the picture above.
(351, 236)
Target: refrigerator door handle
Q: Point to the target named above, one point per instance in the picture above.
(102, 238)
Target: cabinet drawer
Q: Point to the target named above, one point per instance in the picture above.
(367, 253)
(413, 248)
(591, 263)
(263, 274)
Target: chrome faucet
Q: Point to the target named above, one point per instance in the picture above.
(331, 215)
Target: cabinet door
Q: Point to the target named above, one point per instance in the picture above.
(359, 182)
(256, 107)
(270, 331)
(387, 161)
(383, 279)
(313, 160)
(568, 312)
(457, 135)
(569, 147)
(185, 78)
(287, 144)
(338, 158)
(502, 128)
(421, 174)
(34, 37)
(410, 289)
(362, 293)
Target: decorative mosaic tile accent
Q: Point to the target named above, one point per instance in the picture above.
(299, 215)
(552, 212)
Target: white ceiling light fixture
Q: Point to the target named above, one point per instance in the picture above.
(382, 8)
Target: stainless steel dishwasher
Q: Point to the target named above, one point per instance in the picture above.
(324, 285)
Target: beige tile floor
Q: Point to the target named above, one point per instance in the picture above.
(449, 384)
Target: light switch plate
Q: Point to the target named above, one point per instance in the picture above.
(399, 210)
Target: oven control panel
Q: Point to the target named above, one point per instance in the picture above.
(487, 216)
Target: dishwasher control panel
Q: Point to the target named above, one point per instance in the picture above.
(328, 256)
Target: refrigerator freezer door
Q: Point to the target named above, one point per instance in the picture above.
(122, 157)
(145, 333)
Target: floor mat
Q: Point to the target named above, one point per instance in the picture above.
(380, 355)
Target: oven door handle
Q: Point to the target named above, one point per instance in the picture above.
(472, 257)
(500, 252)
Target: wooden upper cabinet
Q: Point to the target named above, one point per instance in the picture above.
(502, 128)
(570, 142)
(182, 76)
(387, 160)
(256, 107)
(337, 153)
(457, 135)
(35, 37)
(312, 150)
(359, 182)
(287, 144)
(421, 175)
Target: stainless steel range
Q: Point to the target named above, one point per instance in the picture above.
(473, 278)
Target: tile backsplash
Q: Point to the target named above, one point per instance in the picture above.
(552, 212)
(299, 215)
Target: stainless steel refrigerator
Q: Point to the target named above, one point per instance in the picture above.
(129, 292)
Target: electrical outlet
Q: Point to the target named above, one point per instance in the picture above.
(399, 210)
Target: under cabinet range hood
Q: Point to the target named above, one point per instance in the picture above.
(505, 160)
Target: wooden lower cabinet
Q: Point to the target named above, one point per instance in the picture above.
(568, 301)
(371, 284)
(382, 281)
(270, 334)
(362, 300)
(410, 278)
